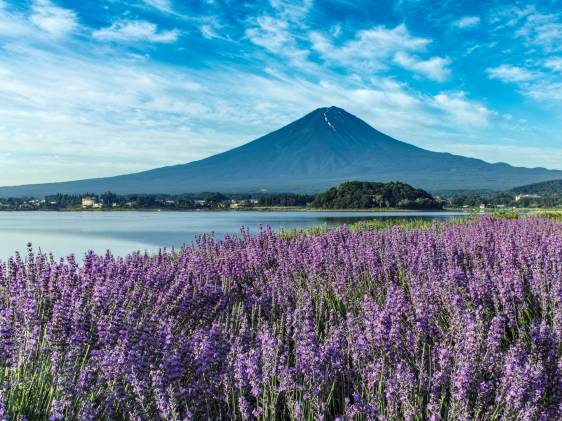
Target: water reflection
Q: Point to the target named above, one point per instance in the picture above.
(123, 232)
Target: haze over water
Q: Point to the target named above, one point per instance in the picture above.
(63, 233)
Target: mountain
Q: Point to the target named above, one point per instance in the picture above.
(545, 188)
(320, 150)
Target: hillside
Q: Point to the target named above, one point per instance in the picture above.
(545, 188)
(324, 148)
(365, 195)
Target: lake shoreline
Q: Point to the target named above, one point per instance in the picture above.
(123, 232)
(256, 209)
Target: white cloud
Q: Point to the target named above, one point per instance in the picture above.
(162, 5)
(373, 49)
(543, 90)
(208, 32)
(540, 86)
(270, 33)
(542, 30)
(435, 68)
(462, 110)
(211, 27)
(106, 114)
(274, 35)
(52, 19)
(12, 27)
(467, 22)
(79, 110)
(90, 110)
(509, 73)
(292, 9)
(554, 63)
(541, 37)
(134, 31)
(370, 47)
(276, 32)
(336, 30)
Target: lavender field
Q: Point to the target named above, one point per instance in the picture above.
(453, 321)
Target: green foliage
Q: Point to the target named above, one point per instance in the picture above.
(546, 188)
(285, 199)
(204, 200)
(108, 198)
(506, 214)
(505, 199)
(373, 225)
(550, 214)
(367, 195)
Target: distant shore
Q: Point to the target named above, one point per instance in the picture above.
(289, 209)
(254, 209)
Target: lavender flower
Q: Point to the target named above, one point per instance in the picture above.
(458, 321)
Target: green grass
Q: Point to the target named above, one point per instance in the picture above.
(373, 225)
(418, 223)
(548, 213)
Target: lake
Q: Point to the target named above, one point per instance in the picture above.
(63, 233)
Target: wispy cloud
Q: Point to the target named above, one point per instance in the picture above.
(532, 25)
(509, 73)
(378, 47)
(370, 47)
(135, 31)
(554, 63)
(208, 31)
(535, 36)
(162, 5)
(467, 22)
(83, 111)
(435, 68)
(457, 106)
(536, 84)
(543, 30)
(76, 93)
(292, 9)
(270, 33)
(274, 35)
(544, 90)
(13, 26)
(55, 20)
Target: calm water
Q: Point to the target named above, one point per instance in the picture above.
(63, 233)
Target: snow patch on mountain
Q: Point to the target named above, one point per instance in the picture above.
(328, 121)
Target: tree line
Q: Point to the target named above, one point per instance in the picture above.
(109, 200)
(349, 195)
(366, 195)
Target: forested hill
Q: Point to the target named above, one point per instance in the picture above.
(546, 188)
(366, 195)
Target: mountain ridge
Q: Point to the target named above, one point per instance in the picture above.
(545, 188)
(321, 149)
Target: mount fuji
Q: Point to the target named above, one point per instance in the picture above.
(324, 148)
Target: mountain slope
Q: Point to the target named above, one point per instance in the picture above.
(322, 149)
(545, 188)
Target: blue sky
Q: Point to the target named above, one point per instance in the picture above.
(96, 88)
